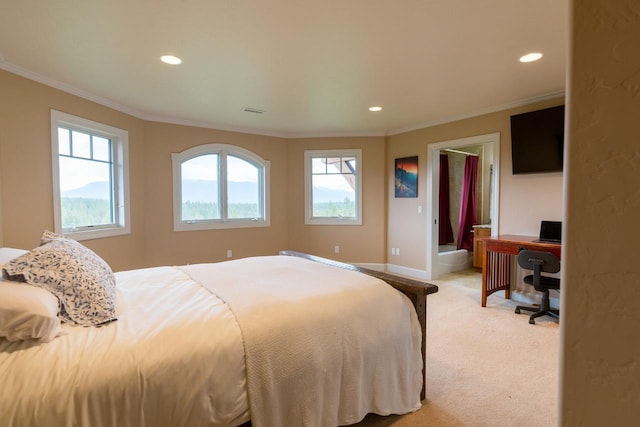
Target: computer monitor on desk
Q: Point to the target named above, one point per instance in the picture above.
(550, 232)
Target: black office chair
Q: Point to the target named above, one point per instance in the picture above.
(540, 262)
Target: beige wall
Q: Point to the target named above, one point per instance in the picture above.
(27, 195)
(25, 173)
(600, 318)
(25, 166)
(165, 246)
(364, 243)
(524, 199)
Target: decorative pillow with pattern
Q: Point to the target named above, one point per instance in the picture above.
(82, 281)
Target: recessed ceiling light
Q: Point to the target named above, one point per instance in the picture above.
(530, 57)
(170, 59)
(376, 108)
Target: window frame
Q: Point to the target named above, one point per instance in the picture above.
(309, 219)
(119, 171)
(223, 151)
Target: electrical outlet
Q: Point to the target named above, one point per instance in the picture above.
(397, 251)
(229, 253)
(336, 249)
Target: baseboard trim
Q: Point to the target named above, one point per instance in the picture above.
(372, 266)
(396, 269)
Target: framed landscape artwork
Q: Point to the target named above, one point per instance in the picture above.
(406, 181)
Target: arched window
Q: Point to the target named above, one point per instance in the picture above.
(219, 186)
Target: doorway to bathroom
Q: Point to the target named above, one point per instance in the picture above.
(477, 156)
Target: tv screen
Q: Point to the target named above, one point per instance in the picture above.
(537, 141)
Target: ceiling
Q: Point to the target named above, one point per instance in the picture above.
(314, 67)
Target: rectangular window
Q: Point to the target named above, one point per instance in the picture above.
(333, 180)
(90, 177)
(86, 196)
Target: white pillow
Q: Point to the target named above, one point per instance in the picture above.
(7, 254)
(27, 312)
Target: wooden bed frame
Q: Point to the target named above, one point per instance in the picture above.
(416, 290)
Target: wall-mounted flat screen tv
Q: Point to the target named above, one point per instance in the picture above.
(537, 141)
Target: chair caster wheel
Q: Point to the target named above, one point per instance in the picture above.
(532, 322)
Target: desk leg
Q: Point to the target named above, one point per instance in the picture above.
(485, 272)
(496, 274)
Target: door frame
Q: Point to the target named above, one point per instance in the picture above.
(433, 174)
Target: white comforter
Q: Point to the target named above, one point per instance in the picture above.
(323, 346)
(161, 363)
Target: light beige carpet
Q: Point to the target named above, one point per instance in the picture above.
(485, 366)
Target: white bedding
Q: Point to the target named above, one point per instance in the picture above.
(160, 364)
(324, 346)
(360, 336)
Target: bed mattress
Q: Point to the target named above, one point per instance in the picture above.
(278, 340)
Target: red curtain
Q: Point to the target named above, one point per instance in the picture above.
(445, 234)
(468, 204)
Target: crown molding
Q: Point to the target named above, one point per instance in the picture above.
(28, 74)
(481, 112)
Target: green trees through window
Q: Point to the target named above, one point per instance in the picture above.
(80, 210)
(90, 177)
(219, 186)
(202, 210)
(333, 187)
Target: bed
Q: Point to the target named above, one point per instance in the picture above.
(289, 339)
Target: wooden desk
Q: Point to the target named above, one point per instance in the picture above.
(496, 260)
